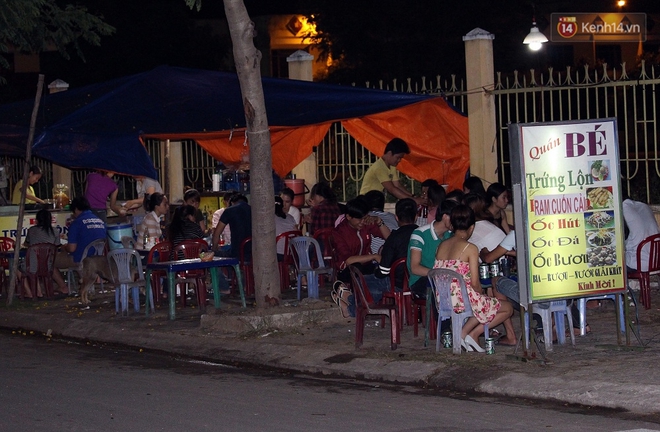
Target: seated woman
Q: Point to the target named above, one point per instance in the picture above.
(435, 194)
(325, 209)
(497, 198)
(183, 227)
(283, 222)
(42, 232)
(461, 256)
(192, 197)
(156, 205)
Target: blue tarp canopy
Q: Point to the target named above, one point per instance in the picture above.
(99, 126)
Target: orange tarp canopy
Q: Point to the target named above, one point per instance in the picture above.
(436, 133)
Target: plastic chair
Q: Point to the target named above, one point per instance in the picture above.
(43, 255)
(245, 264)
(304, 248)
(128, 274)
(160, 252)
(6, 244)
(400, 294)
(652, 246)
(364, 305)
(561, 310)
(441, 280)
(325, 239)
(287, 260)
(582, 309)
(99, 250)
(189, 249)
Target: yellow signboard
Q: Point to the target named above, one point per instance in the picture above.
(571, 206)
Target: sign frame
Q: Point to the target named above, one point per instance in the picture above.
(559, 212)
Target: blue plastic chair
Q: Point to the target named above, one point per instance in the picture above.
(440, 290)
(303, 248)
(128, 265)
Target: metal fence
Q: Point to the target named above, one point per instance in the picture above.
(534, 97)
(589, 94)
(519, 98)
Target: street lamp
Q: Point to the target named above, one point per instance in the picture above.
(535, 39)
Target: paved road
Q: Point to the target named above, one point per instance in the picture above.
(58, 386)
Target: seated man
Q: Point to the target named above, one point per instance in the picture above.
(376, 201)
(505, 287)
(85, 228)
(396, 245)
(423, 245)
(239, 218)
(639, 224)
(352, 239)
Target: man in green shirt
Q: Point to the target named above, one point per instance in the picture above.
(423, 245)
(383, 176)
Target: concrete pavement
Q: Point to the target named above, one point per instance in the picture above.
(311, 337)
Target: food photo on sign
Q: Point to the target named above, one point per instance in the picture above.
(567, 174)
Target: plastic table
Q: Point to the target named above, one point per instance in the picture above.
(173, 267)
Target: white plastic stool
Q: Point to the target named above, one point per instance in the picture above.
(560, 310)
(582, 308)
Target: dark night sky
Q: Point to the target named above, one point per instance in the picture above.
(155, 32)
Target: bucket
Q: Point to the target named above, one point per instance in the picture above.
(116, 232)
(299, 190)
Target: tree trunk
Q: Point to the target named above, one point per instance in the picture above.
(247, 59)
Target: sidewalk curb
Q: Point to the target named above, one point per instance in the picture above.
(568, 389)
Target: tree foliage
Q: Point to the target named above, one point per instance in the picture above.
(34, 26)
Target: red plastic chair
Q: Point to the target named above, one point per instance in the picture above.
(364, 305)
(288, 261)
(6, 244)
(191, 249)
(419, 304)
(43, 255)
(160, 252)
(245, 264)
(652, 245)
(324, 237)
(400, 295)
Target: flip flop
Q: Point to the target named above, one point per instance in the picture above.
(343, 303)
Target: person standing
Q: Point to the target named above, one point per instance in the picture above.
(143, 186)
(100, 187)
(30, 198)
(383, 175)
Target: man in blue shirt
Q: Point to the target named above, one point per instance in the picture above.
(85, 228)
(239, 218)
